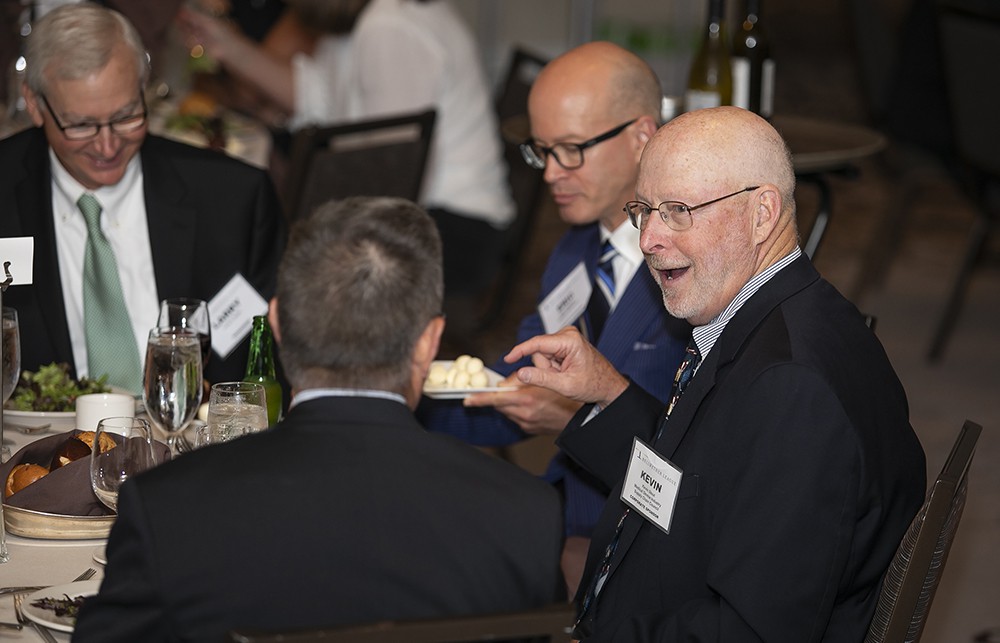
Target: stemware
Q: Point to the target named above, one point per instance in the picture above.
(11, 352)
(234, 409)
(172, 388)
(132, 454)
(192, 314)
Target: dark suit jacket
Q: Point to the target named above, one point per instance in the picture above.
(800, 475)
(639, 338)
(347, 511)
(209, 218)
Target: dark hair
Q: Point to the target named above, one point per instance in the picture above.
(359, 281)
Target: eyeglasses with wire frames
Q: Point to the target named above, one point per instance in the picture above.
(675, 214)
(568, 155)
(87, 130)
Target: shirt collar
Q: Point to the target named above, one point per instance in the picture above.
(109, 196)
(705, 336)
(316, 393)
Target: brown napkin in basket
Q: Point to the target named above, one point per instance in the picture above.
(66, 490)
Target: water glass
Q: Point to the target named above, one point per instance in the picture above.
(172, 375)
(234, 409)
(132, 454)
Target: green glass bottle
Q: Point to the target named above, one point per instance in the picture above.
(260, 367)
(710, 81)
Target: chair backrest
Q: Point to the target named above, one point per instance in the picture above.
(525, 182)
(381, 157)
(552, 624)
(913, 576)
(970, 36)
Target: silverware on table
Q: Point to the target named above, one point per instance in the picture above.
(21, 589)
(24, 620)
(10, 626)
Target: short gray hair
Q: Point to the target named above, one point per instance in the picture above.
(75, 40)
(358, 283)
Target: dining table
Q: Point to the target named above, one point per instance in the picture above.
(42, 561)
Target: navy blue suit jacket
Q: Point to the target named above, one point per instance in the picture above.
(639, 338)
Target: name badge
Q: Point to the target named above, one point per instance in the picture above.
(567, 301)
(651, 485)
(232, 311)
(18, 253)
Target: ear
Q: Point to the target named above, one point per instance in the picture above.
(33, 105)
(423, 354)
(272, 318)
(767, 211)
(645, 127)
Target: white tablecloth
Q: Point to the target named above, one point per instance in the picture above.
(41, 562)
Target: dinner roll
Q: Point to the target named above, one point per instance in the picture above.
(21, 476)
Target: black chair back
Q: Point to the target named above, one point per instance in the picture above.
(381, 157)
(526, 184)
(913, 576)
(550, 624)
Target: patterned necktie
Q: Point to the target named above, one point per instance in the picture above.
(603, 294)
(692, 358)
(111, 346)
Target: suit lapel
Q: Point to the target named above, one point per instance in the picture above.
(639, 306)
(34, 206)
(172, 223)
(783, 285)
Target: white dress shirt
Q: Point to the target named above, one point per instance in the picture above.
(123, 221)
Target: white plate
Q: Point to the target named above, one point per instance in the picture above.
(444, 393)
(60, 420)
(48, 618)
(100, 555)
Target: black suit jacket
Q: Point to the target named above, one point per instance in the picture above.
(347, 511)
(209, 217)
(800, 475)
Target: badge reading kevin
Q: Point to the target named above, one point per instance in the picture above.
(651, 485)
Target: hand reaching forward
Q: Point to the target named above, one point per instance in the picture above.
(536, 410)
(567, 364)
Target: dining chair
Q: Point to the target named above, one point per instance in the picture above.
(552, 624)
(912, 578)
(525, 182)
(378, 157)
(970, 34)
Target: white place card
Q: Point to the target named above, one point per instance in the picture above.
(232, 311)
(567, 301)
(19, 251)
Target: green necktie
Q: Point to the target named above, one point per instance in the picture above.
(111, 347)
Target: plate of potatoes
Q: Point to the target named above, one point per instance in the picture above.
(455, 379)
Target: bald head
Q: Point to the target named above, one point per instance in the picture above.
(734, 172)
(722, 147)
(603, 77)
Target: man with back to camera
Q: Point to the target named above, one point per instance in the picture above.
(591, 111)
(347, 511)
(169, 220)
(767, 501)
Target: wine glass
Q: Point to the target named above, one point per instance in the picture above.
(172, 376)
(234, 409)
(191, 314)
(11, 352)
(11, 364)
(132, 454)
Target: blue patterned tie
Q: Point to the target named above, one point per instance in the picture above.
(111, 347)
(692, 358)
(603, 294)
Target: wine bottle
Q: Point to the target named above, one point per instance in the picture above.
(710, 81)
(260, 367)
(753, 68)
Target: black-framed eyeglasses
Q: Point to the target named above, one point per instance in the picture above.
(83, 131)
(568, 155)
(675, 214)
